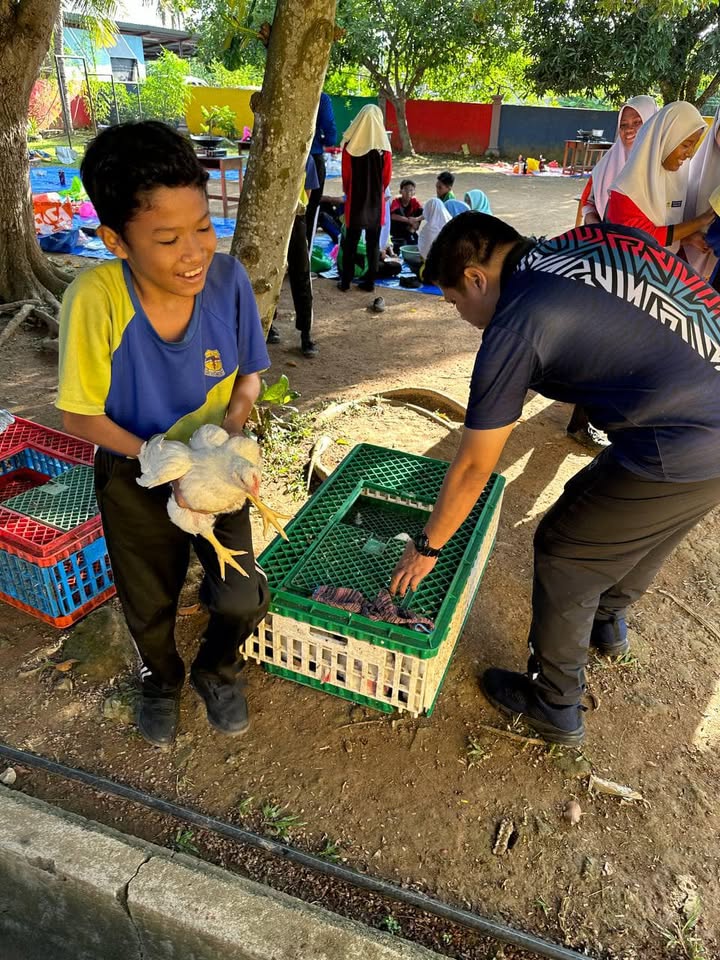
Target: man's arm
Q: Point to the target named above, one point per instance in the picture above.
(103, 431)
(326, 121)
(245, 392)
(465, 480)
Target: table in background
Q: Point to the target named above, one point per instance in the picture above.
(224, 164)
(581, 155)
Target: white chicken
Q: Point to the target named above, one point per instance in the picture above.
(216, 474)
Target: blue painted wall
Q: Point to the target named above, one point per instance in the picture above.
(79, 43)
(534, 130)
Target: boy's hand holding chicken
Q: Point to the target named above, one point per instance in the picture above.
(214, 473)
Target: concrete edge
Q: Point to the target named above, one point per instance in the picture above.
(74, 889)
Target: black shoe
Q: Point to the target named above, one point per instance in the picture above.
(309, 348)
(378, 305)
(157, 715)
(589, 437)
(610, 637)
(273, 335)
(514, 694)
(226, 704)
(366, 286)
(343, 286)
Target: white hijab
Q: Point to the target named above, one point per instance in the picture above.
(704, 179)
(658, 192)
(612, 163)
(435, 216)
(366, 132)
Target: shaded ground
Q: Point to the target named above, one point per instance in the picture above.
(415, 800)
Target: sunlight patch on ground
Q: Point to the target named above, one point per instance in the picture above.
(552, 489)
(707, 735)
(517, 469)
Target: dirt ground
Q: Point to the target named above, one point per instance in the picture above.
(420, 801)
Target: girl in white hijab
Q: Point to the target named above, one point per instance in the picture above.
(633, 114)
(435, 216)
(704, 180)
(651, 190)
(366, 173)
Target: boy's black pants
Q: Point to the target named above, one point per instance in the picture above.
(298, 260)
(150, 556)
(596, 551)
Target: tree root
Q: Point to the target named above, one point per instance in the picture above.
(24, 309)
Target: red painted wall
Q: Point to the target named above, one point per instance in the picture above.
(439, 127)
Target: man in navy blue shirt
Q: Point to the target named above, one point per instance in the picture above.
(604, 317)
(325, 136)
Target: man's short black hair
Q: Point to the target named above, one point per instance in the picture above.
(125, 163)
(407, 183)
(446, 177)
(469, 239)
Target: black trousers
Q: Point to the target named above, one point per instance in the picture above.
(349, 249)
(150, 556)
(596, 552)
(298, 260)
(314, 197)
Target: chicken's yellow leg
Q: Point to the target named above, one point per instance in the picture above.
(269, 517)
(225, 554)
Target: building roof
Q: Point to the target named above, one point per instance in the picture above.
(155, 38)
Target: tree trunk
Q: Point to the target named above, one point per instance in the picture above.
(710, 90)
(297, 60)
(25, 273)
(406, 144)
(58, 51)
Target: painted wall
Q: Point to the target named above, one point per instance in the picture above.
(346, 109)
(439, 127)
(238, 99)
(79, 43)
(534, 130)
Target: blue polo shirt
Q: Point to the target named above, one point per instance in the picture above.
(604, 317)
(113, 362)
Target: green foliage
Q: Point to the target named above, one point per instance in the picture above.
(227, 33)
(104, 101)
(620, 53)
(216, 74)
(391, 924)
(164, 95)
(277, 822)
(683, 939)
(219, 120)
(264, 415)
(184, 842)
(475, 79)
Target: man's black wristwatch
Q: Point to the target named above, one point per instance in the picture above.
(422, 545)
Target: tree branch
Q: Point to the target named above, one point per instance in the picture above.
(709, 91)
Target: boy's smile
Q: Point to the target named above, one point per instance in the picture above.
(168, 244)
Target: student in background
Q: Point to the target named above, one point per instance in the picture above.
(405, 215)
(444, 186)
(325, 136)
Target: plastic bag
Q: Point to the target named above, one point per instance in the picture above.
(52, 214)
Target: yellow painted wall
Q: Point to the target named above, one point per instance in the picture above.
(238, 99)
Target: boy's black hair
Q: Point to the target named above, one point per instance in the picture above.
(125, 163)
(469, 239)
(407, 183)
(446, 177)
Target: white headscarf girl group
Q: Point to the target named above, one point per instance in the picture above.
(704, 181)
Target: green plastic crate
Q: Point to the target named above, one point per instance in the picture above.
(64, 503)
(351, 533)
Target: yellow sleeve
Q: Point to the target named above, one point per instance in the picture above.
(88, 336)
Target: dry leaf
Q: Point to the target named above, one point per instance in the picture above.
(597, 784)
(65, 665)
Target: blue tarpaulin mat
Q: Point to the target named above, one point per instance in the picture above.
(326, 244)
(48, 179)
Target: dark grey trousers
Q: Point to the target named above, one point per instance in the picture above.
(596, 552)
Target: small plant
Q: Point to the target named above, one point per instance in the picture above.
(278, 395)
(390, 924)
(476, 752)
(279, 825)
(219, 120)
(683, 939)
(184, 841)
(245, 806)
(540, 903)
(446, 937)
(331, 851)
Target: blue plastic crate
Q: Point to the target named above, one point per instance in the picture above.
(34, 459)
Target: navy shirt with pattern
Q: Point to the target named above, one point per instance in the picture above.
(604, 317)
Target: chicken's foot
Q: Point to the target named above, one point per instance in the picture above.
(269, 517)
(225, 555)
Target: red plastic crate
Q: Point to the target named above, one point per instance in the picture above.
(24, 433)
(18, 481)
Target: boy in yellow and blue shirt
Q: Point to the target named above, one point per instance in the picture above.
(161, 340)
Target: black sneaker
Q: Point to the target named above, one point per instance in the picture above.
(273, 335)
(589, 437)
(226, 704)
(343, 286)
(514, 694)
(609, 637)
(378, 305)
(157, 715)
(309, 348)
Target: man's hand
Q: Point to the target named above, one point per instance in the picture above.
(410, 570)
(698, 241)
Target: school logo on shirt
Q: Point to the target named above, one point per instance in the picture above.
(213, 364)
(676, 203)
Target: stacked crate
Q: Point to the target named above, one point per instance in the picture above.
(351, 533)
(53, 559)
